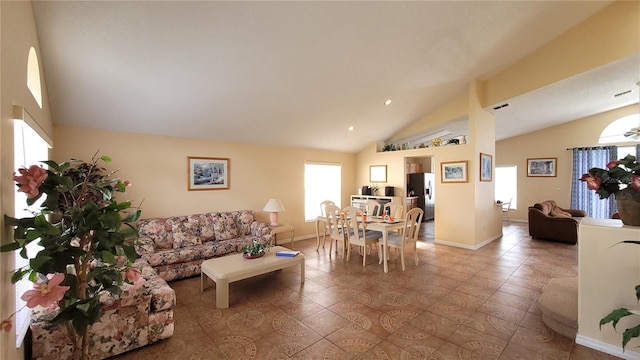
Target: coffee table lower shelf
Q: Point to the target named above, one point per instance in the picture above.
(227, 269)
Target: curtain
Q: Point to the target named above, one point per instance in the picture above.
(581, 196)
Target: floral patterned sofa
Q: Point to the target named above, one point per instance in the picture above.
(176, 246)
(141, 315)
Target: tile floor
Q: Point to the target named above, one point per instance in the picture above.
(457, 304)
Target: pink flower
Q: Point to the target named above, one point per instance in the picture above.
(30, 180)
(45, 294)
(593, 182)
(127, 183)
(635, 182)
(6, 325)
(132, 275)
(612, 164)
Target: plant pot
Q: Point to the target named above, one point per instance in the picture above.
(247, 256)
(628, 201)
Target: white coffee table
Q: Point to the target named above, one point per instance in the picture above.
(227, 269)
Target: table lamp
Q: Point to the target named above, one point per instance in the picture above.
(274, 206)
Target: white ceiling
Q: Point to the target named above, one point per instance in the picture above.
(297, 73)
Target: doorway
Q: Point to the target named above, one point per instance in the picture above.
(420, 185)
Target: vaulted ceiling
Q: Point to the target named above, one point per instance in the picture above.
(286, 73)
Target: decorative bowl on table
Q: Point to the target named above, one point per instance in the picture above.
(254, 256)
(253, 250)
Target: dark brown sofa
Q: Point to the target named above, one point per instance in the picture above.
(548, 221)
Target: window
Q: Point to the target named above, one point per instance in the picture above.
(507, 184)
(29, 149)
(615, 132)
(33, 76)
(626, 150)
(321, 182)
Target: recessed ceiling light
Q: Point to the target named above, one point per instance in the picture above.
(387, 102)
(351, 128)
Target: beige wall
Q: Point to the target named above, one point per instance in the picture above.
(465, 214)
(599, 261)
(552, 142)
(18, 35)
(157, 167)
(609, 35)
(487, 216)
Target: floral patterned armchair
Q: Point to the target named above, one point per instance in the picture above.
(141, 315)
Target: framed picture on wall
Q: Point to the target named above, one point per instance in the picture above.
(378, 173)
(454, 172)
(207, 173)
(541, 167)
(486, 167)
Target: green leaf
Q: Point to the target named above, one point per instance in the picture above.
(23, 253)
(33, 235)
(638, 292)
(66, 182)
(10, 247)
(120, 186)
(19, 274)
(11, 221)
(124, 205)
(133, 216)
(52, 164)
(630, 334)
(130, 251)
(615, 316)
(38, 261)
(105, 158)
(108, 257)
(84, 307)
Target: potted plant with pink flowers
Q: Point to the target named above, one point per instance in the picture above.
(86, 240)
(621, 178)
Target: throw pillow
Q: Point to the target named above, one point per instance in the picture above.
(186, 233)
(206, 229)
(225, 227)
(558, 212)
(245, 218)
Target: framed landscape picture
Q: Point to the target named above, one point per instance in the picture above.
(486, 167)
(207, 173)
(454, 172)
(541, 167)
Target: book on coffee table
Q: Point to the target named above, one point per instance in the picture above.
(287, 253)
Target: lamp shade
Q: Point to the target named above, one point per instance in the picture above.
(273, 205)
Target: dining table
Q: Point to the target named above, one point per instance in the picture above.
(377, 223)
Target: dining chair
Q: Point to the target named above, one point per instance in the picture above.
(358, 235)
(506, 206)
(409, 236)
(322, 220)
(394, 209)
(373, 208)
(335, 227)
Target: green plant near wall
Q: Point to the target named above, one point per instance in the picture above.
(617, 314)
(86, 240)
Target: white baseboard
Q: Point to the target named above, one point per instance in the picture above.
(607, 348)
(518, 220)
(465, 246)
